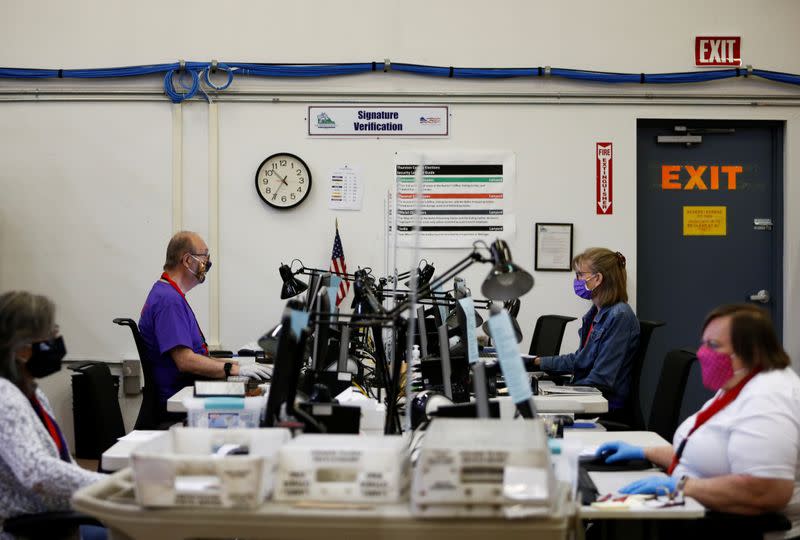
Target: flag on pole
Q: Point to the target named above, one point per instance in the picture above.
(338, 266)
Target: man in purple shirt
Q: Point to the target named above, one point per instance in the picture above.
(177, 349)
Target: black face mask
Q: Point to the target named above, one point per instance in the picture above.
(46, 357)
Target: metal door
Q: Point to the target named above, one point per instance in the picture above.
(709, 230)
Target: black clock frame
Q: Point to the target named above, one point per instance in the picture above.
(288, 155)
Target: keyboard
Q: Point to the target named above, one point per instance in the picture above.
(587, 491)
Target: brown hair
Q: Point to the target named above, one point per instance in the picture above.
(179, 245)
(753, 336)
(24, 318)
(611, 264)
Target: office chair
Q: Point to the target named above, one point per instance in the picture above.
(669, 392)
(548, 334)
(148, 417)
(98, 416)
(629, 417)
(56, 525)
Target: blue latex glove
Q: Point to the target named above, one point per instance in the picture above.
(615, 451)
(658, 485)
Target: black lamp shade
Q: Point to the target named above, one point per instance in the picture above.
(512, 306)
(506, 280)
(424, 276)
(291, 285)
(452, 319)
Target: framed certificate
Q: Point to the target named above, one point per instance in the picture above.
(552, 247)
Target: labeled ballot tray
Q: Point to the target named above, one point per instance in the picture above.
(112, 501)
(207, 467)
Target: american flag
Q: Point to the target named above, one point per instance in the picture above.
(339, 267)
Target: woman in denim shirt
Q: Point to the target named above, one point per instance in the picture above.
(609, 334)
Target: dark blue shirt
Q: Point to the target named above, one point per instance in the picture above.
(167, 322)
(606, 359)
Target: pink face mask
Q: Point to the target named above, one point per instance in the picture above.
(715, 367)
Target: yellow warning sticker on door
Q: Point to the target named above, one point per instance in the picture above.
(705, 221)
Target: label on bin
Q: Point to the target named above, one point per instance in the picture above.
(223, 403)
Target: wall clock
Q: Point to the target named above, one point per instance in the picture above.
(283, 180)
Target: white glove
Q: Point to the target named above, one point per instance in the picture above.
(255, 371)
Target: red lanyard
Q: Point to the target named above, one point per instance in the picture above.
(589, 333)
(705, 415)
(51, 428)
(175, 286)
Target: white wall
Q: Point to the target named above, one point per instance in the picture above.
(87, 207)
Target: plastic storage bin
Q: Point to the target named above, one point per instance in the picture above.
(225, 412)
(343, 469)
(207, 467)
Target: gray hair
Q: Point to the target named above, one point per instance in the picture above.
(24, 318)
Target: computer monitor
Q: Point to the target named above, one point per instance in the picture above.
(322, 316)
(289, 360)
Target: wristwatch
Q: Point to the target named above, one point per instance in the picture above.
(227, 368)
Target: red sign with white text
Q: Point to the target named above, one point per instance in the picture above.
(604, 178)
(717, 51)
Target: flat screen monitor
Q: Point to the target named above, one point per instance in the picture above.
(289, 360)
(322, 329)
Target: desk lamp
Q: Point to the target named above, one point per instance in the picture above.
(365, 294)
(506, 280)
(424, 275)
(460, 290)
(291, 285)
(512, 306)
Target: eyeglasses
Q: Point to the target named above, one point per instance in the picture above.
(711, 343)
(200, 256)
(579, 275)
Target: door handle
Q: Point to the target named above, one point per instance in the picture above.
(761, 296)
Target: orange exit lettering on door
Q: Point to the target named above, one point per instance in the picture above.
(701, 177)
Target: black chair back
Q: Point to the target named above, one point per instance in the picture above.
(548, 334)
(636, 419)
(669, 392)
(148, 417)
(56, 525)
(630, 416)
(98, 416)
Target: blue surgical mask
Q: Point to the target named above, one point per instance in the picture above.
(579, 286)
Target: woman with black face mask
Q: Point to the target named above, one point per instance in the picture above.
(37, 473)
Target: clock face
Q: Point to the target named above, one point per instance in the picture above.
(283, 180)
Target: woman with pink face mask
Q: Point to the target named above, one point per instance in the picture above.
(739, 453)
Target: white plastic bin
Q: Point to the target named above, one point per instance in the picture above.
(194, 467)
(225, 412)
(343, 469)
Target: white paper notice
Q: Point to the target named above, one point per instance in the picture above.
(347, 191)
(553, 246)
(466, 196)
